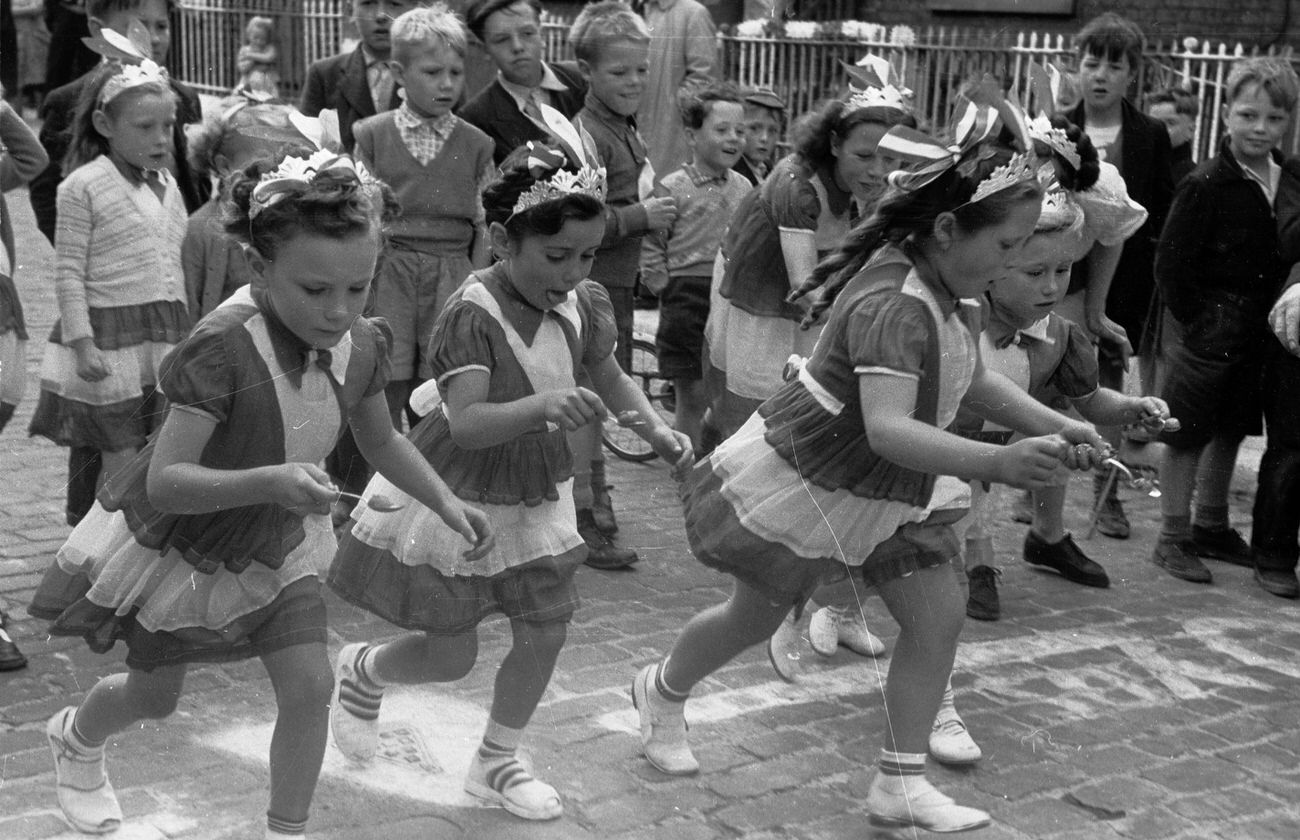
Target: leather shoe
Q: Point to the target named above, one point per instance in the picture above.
(1066, 558)
(982, 603)
(11, 658)
(1224, 544)
(601, 551)
(1179, 559)
(1279, 582)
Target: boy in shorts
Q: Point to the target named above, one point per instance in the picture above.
(677, 263)
(1219, 273)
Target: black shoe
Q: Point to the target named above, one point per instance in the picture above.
(1223, 544)
(602, 509)
(1066, 558)
(11, 658)
(982, 603)
(1279, 582)
(601, 552)
(1179, 559)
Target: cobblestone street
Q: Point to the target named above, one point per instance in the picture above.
(1153, 709)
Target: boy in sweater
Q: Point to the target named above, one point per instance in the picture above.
(437, 164)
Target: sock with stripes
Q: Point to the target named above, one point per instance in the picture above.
(363, 696)
(896, 768)
(279, 829)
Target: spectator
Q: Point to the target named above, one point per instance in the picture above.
(358, 84)
(509, 110)
(683, 55)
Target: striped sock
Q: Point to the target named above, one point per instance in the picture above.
(362, 697)
(664, 690)
(896, 768)
(499, 739)
(277, 828)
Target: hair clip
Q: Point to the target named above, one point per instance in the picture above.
(296, 174)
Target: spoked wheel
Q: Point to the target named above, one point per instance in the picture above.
(623, 442)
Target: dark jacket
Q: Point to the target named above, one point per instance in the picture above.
(495, 113)
(1145, 163)
(340, 83)
(1220, 243)
(57, 113)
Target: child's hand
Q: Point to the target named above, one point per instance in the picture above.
(1111, 333)
(660, 212)
(573, 408)
(675, 448)
(1033, 463)
(90, 361)
(303, 489)
(472, 524)
(1151, 412)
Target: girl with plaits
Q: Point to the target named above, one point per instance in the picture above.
(841, 473)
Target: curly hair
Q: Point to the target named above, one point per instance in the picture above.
(816, 135)
(908, 217)
(219, 129)
(336, 204)
(547, 219)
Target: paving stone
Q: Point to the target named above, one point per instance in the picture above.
(1195, 775)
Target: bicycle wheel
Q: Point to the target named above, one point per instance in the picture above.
(626, 443)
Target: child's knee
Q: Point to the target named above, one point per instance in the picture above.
(451, 658)
(309, 688)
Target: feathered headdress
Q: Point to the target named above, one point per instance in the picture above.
(131, 53)
(297, 174)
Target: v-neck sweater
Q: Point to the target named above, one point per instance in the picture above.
(440, 200)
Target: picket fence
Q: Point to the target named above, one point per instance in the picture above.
(802, 63)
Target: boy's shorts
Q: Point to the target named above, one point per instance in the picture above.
(1214, 379)
(683, 309)
(410, 290)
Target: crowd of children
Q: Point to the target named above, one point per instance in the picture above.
(855, 332)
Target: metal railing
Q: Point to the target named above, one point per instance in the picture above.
(934, 61)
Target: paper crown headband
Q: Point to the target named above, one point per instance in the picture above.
(131, 52)
(588, 180)
(870, 86)
(1044, 86)
(981, 112)
(297, 174)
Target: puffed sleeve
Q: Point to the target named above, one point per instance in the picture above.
(461, 341)
(889, 333)
(198, 373)
(600, 332)
(793, 202)
(381, 338)
(1077, 374)
(1110, 216)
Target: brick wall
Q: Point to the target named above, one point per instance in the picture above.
(1249, 21)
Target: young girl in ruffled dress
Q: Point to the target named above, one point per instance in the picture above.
(208, 547)
(843, 473)
(505, 354)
